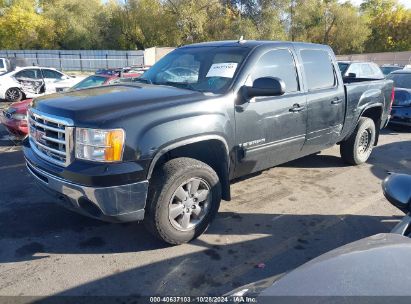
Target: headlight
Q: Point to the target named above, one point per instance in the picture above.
(99, 145)
(18, 116)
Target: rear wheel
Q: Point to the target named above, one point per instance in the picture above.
(184, 197)
(358, 147)
(14, 95)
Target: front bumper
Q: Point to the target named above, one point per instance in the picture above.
(122, 203)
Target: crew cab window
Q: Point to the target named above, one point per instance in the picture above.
(319, 70)
(50, 74)
(29, 73)
(278, 63)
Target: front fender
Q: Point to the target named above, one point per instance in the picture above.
(195, 139)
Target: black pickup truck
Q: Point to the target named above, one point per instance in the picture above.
(165, 148)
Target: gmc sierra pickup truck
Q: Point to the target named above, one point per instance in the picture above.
(165, 148)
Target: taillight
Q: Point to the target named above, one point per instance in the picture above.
(392, 97)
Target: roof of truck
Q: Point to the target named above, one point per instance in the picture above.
(253, 43)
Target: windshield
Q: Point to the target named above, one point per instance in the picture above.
(203, 69)
(91, 81)
(401, 80)
(343, 67)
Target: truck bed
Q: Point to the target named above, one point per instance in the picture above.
(361, 92)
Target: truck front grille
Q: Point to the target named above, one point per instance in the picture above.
(51, 137)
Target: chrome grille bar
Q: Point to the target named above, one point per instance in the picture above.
(51, 137)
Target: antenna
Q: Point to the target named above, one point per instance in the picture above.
(241, 40)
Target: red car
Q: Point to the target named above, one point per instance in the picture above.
(14, 118)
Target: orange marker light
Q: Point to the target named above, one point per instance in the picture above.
(114, 145)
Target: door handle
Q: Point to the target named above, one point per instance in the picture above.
(336, 101)
(296, 108)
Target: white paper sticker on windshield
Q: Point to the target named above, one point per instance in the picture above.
(222, 70)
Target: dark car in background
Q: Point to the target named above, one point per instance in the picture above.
(125, 72)
(389, 68)
(95, 81)
(357, 69)
(401, 107)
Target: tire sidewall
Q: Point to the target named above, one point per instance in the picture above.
(366, 124)
(20, 96)
(182, 175)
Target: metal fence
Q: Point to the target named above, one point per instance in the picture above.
(82, 60)
(400, 58)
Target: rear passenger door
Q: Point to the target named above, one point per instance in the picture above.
(325, 100)
(271, 130)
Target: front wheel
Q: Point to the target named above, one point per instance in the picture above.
(14, 95)
(184, 197)
(358, 147)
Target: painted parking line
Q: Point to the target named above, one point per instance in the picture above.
(12, 166)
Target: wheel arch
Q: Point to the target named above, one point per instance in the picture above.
(375, 113)
(210, 149)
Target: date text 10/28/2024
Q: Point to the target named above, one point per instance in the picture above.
(188, 299)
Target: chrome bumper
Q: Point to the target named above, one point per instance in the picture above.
(122, 203)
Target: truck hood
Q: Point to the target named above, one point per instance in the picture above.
(97, 105)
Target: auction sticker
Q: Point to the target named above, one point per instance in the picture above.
(222, 70)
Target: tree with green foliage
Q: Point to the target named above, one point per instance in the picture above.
(23, 27)
(390, 25)
(78, 23)
(329, 22)
(380, 25)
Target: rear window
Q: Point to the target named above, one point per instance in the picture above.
(1, 63)
(318, 68)
(91, 81)
(401, 80)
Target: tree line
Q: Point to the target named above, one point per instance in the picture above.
(375, 26)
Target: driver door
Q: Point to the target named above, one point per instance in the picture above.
(271, 130)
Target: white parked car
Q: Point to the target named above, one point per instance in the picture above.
(33, 81)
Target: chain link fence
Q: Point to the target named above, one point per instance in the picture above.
(82, 60)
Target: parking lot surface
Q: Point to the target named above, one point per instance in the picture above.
(277, 220)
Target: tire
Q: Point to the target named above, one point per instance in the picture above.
(358, 147)
(14, 95)
(167, 212)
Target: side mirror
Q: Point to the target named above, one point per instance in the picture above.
(352, 75)
(397, 190)
(265, 86)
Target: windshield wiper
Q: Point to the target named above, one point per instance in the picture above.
(180, 85)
